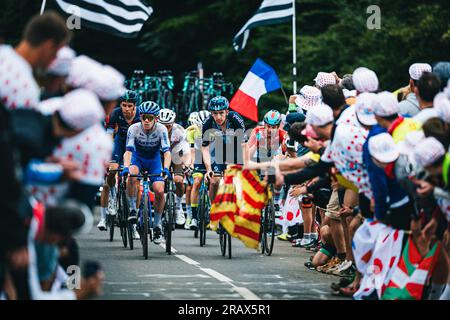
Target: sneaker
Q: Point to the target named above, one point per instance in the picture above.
(187, 224)
(292, 237)
(348, 273)
(102, 225)
(309, 265)
(334, 266)
(157, 236)
(193, 225)
(345, 265)
(132, 217)
(136, 235)
(283, 237)
(312, 243)
(343, 282)
(330, 264)
(180, 219)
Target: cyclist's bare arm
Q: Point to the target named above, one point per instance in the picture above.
(206, 158)
(127, 158)
(167, 159)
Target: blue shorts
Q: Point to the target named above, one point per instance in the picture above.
(118, 151)
(152, 166)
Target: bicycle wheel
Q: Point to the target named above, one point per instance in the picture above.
(111, 219)
(229, 244)
(202, 218)
(144, 224)
(123, 217)
(269, 228)
(170, 212)
(223, 240)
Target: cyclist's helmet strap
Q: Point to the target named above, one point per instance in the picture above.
(149, 107)
(272, 118)
(218, 103)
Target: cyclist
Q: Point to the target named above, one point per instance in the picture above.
(194, 138)
(117, 125)
(189, 181)
(180, 156)
(145, 140)
(221, 128)
(268, 141)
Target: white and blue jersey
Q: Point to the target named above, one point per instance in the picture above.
(146, 147)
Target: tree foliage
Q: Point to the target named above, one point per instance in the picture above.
(332, 35)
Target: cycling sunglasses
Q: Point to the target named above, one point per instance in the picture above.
(148, 117)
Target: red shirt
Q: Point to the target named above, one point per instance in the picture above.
(259, 138)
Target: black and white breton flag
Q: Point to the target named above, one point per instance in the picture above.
(270, 12)
(123, 18)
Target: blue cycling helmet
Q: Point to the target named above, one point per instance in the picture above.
(218, 103)
(130, 96)
(272, 118)
(149, 107)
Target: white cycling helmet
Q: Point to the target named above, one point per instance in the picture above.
(193, 118)
(166, 116)
(203, 115)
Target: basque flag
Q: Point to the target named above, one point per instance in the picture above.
(260, 80)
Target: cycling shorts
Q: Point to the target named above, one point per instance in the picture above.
(152, 166)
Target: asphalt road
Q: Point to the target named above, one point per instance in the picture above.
(198, 273)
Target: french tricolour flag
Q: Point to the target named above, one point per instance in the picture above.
(260, 80)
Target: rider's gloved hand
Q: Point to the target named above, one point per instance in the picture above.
(209, 175)
(125, 171)
(166, 173)
(188, 170)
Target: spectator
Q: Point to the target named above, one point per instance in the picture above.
(409, 107)
(442, 69)
(43, 36)
(427, 88)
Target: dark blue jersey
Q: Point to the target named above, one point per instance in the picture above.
(117, 120)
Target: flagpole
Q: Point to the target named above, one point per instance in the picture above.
(43, 6)
(294, 52)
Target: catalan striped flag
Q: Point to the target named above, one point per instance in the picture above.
(239, 203)
(411, 274)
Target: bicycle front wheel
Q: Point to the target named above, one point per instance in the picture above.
(223, 240)
(144, 224)
(202, 218)
(170, 212)
(268, 226)
(111, 219)
(123, 217)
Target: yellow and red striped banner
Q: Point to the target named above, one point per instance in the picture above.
(240, 214)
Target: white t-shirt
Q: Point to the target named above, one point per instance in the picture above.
(92, 149)
(345, 151)
(348, 116)
(178, 141)
(426, 114)
(18, 88)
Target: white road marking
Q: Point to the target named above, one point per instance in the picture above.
(174, 276)
(216, 274)
(187, 259)
(163, 245)
(245, 293)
